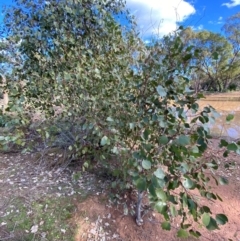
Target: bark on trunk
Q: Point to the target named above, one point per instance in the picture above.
(139, 219)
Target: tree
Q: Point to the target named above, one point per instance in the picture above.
(118, 97)
(231, 29)
(10, 60)
(216, 63)
(9, 55)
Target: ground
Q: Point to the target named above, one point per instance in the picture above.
(68, 204)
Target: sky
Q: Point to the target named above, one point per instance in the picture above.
(163, 16)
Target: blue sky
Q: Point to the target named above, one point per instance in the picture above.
(163, 16)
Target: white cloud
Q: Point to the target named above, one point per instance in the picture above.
(198, 28)
(160, 16)
(219, 21)
(231, 4)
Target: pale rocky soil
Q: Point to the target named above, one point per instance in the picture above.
(98, 218)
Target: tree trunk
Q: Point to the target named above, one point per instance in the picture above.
(139, 220)
(4, 102)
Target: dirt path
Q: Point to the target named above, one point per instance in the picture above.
(41, 205)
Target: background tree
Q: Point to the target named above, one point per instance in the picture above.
(215, 60)
(231, 30)
(216, 64)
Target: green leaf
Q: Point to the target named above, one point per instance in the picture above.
(223, 143)
(173, 210)
(210, 195)
(173, 199)
(195, 150)
(182, 233)
(166, 225)
(160, 206)
(141, 184)
(229, 117)
(192, 205)
(186, 226)
(225, 154)
(212, 224)
(187, 57)
(206, 219)
(136, 155)
(147, 147)
(146, 164)
(184, 199)
(183, 140)
(151, 190)
(195, 234)
(172, 132)
(161, 91)
(184, 168)
(158, 183)
(232, 147)
(105, 141)
(207, 109)
(206, 209)
(163, 140)
(146, 134)
(215, 55)
(161, 194)
(159, 173)
(188, 183)
(223, 181)
(221, 219)
(110, 119)
(132, 126)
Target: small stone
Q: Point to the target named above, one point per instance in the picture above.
(93, 231)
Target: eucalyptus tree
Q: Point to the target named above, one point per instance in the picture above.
(217, 60)
(132, 99)
(232, 32)
(216, 63)
(70, 50)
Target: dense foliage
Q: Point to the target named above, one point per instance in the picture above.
(92, 89)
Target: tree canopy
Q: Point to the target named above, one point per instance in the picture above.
(217, 62)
